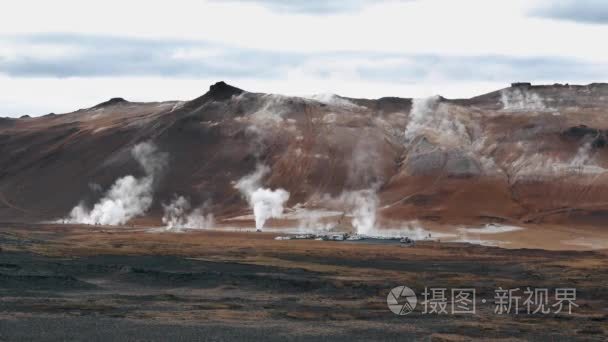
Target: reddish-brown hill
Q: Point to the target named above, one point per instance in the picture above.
(524, 153)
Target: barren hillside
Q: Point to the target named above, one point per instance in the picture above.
(524, 154)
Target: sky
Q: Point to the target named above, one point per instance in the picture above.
(62, 55)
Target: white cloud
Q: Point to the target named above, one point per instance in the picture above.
(426, 26)
(582, 11)
(341, 43)
(196, 53)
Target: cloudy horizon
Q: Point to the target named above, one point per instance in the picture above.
(67, 55)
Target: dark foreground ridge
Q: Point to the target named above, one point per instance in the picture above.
(83, 283)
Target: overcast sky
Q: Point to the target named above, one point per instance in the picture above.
(61, 55)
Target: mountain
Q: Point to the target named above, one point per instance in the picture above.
(534, 154)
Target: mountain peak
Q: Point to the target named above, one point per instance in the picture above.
(111, 102)
(219, 91)
(223, 91)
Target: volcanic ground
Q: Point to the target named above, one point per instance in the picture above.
(135, 221)
(523, 154)
(125, 284)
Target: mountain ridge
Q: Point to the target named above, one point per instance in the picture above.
(220, 91)
(435, 159)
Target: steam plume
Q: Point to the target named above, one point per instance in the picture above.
(266, 203)
(434, 119)
(179, 214)
(363, 206)
(515, 100)
(128, 197)
(540, 165)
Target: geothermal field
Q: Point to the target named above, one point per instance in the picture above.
(250, 216)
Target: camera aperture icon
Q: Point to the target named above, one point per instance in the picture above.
(401, 300)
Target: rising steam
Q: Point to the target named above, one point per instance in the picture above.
(541, 165)
(437, 121)
(128, 197)
(265, 203)
(517, 100)
(362, 205)
(179, 214)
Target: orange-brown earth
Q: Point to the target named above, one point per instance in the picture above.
(522, 155)
(531, 157)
